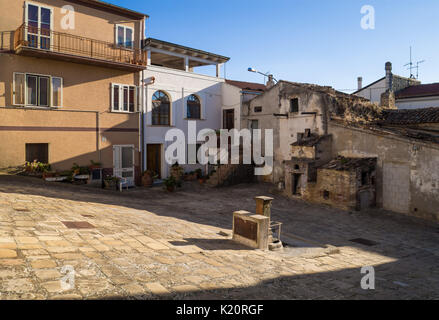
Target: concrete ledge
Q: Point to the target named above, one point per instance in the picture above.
(251, 229)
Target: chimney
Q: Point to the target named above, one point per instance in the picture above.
(360, 83)
(270, 81)
(389, 76)
(388, 100)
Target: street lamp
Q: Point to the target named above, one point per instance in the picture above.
(270, 76)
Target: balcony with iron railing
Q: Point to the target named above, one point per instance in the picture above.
(45, 43)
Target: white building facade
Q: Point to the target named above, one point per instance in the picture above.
(174, 96)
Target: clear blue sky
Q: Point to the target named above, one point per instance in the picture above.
(319, 41)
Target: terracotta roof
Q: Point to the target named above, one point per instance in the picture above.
(411, 116)
(347, 164)
(251, 86)
(422, 90)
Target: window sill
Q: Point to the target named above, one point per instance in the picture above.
(35, 107)
(194, 119)
(124, 112)
(160, 126)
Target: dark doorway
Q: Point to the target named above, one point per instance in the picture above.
(229, 119)
(154, 158)
(38, 152)
(365, 200)
(296, 183)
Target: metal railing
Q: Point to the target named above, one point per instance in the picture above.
(64, 43)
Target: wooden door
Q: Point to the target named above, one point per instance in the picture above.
(229, 119)
(153, 160)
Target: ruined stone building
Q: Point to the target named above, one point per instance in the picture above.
(342, 150)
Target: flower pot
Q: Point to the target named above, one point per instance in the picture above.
(48, 174)
(202, 180)
(110, 184)
(147, 180)
(170, 188)
(177, 173)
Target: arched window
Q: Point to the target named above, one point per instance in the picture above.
(161, 109)
(193, 107)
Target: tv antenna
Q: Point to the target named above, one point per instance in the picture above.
(411, 66)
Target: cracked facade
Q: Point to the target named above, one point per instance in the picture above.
(314, 125)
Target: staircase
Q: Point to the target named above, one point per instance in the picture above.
(230, 174)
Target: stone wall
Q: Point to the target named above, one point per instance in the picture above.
(407, 177)
(334, 188)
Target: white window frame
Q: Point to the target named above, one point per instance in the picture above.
(124, 36)
(27, 3)
(121, 100)
(118, 171)
(26, 74)
(51, 92)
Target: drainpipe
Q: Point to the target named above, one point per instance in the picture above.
(142, 113)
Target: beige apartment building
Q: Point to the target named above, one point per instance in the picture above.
(70, 79)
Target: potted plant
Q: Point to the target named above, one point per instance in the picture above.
(177, 171)
(36, 168)
(191, 176)
(200, 177)
(75, 169)
(48, 174)
(148, 178)
(111, 182)
(170, 183)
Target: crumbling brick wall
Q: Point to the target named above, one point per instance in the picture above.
(334, 188)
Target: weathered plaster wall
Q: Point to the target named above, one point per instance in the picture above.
(285, 127)
(407, 170)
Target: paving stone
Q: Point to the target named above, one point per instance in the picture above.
(29, 246)
(48, 274)
(27, 240)
(133, 289)
(61, 243)
(157, 246)
(8, 245)
(68, 256)
(186, 288)
(156, 288)
(164, 260)
(43, 264)
(71, 296)
(210, 272)
(194, 279)
(6, 273)
(53, 286)
(7, 253)
(19, 285)
(188, 249)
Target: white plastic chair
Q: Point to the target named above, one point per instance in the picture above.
(122, 182)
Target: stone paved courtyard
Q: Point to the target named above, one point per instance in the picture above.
(149, 244)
